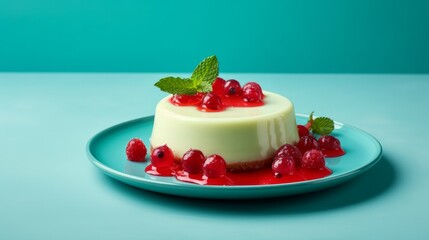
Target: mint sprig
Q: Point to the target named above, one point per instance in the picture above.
(207, 71)
(320, 125)
(201, 79)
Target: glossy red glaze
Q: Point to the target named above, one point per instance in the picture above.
(186, 100)
(259, 177)
(227, 101)
(334, 153)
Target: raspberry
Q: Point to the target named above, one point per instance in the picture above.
(283, 165)
(303, 131)
(329, 143)
(307, 143)
(214, 166)
(212, 102)
(136, 150)
(232, 88)
(313, 159)
(192, 161)
(162, 157)
(290, 151)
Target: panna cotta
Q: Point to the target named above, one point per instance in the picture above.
(208, 129)
(246, 137)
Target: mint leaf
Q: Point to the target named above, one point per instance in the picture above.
(176, 85)
(204, 87)
(322, 125)
(206, 71)
(201, 80)
(310, 118)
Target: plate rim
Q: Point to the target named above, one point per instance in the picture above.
(121, 175)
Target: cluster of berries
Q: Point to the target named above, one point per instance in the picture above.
(193, 161)
(251, 92)
(308, 153)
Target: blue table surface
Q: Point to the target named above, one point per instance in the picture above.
(50, 190)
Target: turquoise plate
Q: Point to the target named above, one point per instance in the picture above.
(106, 151)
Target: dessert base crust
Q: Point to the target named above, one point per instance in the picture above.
(249, 166)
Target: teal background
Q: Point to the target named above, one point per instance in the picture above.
(334, 36)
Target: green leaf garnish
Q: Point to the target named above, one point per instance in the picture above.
(205, 87)
(310, 119)
(176, 85)
(320, 125)
(201, 79)
(206, 71)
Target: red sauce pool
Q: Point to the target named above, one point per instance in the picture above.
(334, 153)
(258, 177)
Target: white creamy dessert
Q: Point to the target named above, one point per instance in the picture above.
(246, 137)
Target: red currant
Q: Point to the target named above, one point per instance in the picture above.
(252, 94)
(212, 102)
(162, 157)
(303, 131)
(232, 88)
(192, 161)
(214, 166)
(290, 151)
(136, 150)
(329, 143)
(253, 85)
(314, 160)
(283, 165)
(187, 100)
(307, 143)
(218, 86)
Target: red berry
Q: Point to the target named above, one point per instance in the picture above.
(232, 88)
(218, 85)
(329, 143)
(252, 94)
(303, 131)
(187, 100)
(307, 143)
(214, 166)
(283, 165)
(290, 151)
(253, 85)
(211, 101)
(136, 150)
(314, 160)
(192, 161)
(162, 157)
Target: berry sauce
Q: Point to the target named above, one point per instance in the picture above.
(334, 153)
(226, 102)
(259, 177)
